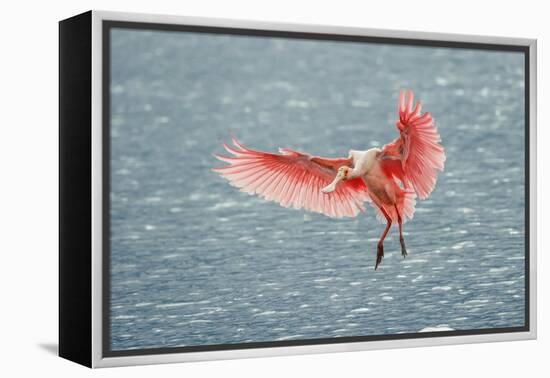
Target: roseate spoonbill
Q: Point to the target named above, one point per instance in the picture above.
(390, 179)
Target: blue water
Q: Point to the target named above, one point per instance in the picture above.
(196, 262)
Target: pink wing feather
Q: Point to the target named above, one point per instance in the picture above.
(416, 155)
(293, 179)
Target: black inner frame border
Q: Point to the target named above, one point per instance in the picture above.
(107, 25)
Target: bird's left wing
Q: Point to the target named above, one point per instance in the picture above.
(293, 179)
(416, 155)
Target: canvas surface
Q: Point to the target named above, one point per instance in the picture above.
(196, 262)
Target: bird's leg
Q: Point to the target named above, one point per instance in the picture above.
(380, 250)
(401, 239)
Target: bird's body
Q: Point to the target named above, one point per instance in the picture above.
(390, 178)
(383, 190)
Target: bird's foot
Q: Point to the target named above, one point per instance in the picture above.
(403, 248)
(379, 255)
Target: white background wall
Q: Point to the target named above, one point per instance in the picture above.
(28, 190)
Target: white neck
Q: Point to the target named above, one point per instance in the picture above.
(353, 173)
(363, 161)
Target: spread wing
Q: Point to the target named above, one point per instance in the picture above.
(416, 155)
(293, 179)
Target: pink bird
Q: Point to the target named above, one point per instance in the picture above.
(390, 179)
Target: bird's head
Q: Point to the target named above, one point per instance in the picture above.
(343, 172)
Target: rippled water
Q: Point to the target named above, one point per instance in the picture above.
(196, 262)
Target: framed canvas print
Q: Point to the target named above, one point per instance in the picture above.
(236, 189)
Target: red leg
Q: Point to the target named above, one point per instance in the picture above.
(380, 250)
(401, 239)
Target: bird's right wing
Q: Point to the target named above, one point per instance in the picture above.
(293, 179)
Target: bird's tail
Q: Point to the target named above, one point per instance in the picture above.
(406, 204)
